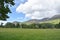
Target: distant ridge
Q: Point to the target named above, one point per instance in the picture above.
(44, 19)
(55, 17)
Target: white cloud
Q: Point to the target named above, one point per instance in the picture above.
(37, 9)
(4, 22)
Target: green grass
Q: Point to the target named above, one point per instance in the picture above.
(29, 34)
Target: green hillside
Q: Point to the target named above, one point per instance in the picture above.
(56, 21)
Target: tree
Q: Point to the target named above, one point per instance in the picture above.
(23, 25)
(33, 25)
(47, 25)
(9, 25)
(4, 8)
(57, 25)
(39, 25)
(1, 25)
(17, 25)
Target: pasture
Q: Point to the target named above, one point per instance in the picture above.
(29, 34)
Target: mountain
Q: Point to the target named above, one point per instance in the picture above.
(37, 20)
(33, 21)
(55, 17)
(44, 19)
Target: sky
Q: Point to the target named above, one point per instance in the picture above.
(24, 10)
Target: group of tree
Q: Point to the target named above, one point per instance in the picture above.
(57, 25)
(30, 26)
(11, 25)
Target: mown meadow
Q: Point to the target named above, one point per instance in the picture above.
(29, 34)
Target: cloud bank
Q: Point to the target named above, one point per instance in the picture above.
(37, 9)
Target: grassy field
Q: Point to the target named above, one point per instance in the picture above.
(29, 34)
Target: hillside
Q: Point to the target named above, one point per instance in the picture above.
(55, 19)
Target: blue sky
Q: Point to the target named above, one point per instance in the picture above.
(15, 16)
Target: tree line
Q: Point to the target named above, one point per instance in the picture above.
(30, 26)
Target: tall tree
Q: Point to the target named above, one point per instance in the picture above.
(17, 25)
(4, 8)
(57, 25)
(1, 25)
